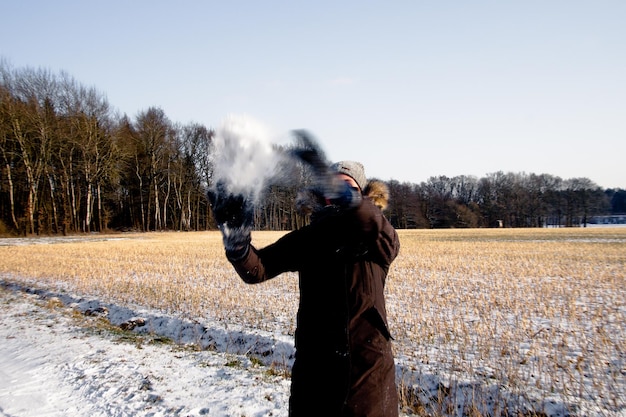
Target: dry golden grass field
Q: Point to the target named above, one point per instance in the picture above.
(538, 315)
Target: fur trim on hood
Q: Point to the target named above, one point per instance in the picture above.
(310, 200)
(378, 192)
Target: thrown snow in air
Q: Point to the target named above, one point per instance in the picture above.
(244, 156)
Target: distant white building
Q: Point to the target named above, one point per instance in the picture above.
(613, 219)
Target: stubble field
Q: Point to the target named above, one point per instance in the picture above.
(485, 322)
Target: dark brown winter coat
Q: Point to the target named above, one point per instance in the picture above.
(344, 364)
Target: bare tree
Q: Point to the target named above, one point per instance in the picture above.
(30, 114)
(155, 132)
(89, 131)
(7, 149)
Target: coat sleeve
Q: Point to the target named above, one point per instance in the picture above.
(377, 230)
(250, 268)
(284, 255)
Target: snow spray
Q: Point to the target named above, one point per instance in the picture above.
(245, 160)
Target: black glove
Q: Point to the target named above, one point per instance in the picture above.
(336, 191)
(310, 153)
(234, 214)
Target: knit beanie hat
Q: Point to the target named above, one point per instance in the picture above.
(352, 169)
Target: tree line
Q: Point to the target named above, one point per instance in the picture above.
(71, 164)
(502, 200)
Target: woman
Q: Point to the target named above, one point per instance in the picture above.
(344, 363)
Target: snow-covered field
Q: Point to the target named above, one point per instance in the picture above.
(55, 361)
(63, 353)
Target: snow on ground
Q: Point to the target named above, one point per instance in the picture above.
(65, 355)
(55, 361)
(61, 355)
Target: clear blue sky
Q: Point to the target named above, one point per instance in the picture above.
(413, 89)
